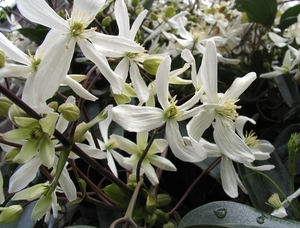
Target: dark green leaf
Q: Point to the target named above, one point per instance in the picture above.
(107, 217)
(233, 215)
(257, 11)
(36, 34)
(114, 192)
(147, 4)
(289, 17)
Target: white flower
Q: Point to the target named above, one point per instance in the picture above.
(221, 109)
(144, 118)
(136, 151)
(279, 206)
(62, 38)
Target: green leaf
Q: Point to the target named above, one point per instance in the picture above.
(231, 214)
(114, 192)
(289, 17)
(36, 34)
(257, 11)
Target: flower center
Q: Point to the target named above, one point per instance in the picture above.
(251, 139)
(36, 134)
(274, 201)
(228, 110)
(34, 62)
(172, 111)
(78, 22)
(110, 145)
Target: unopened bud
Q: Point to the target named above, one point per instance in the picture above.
(5, 104)
(2, 59)
(169, 225)
(267, 65)
(153, 17)
(53, 105)
(134, 3)
(151, 219)
(150, 203)
(10, 214)
(151, 64)
(79, 135)
(170, 12)
(15, 111)
(163, 200)
(69, 111)
(106, 21)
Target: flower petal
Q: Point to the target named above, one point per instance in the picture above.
(87, 8)
(179, 148)
(27, 151)
(111, 164)
(150, 172)
(14, 70)
(138, 119)
(228, 177)
(16, 135)
(240, 123)
(47, 17)
(125, 144)
(92, 151)
(137, 23)
(122, 18)
(138, 83)
(47, 152)
(162, 82)
(162, 163)
(279, 213)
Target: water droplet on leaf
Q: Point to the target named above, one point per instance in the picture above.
(260, 219)
(221, 212)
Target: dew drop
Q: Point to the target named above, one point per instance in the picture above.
(221, 212)
(260, 219)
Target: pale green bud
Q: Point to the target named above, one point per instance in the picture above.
(15, 111)
(53, 105)
(32, 193)
(79, 135)
(10, 155)
(153, 16)
(10, 214)
(5, 104)
(69, 111)
(161, 215)
(106, 21)
(151, 64)
(150, 203)
(170, 12)
(151, 219)
(163, 200)
(169, 225)
(2, 59)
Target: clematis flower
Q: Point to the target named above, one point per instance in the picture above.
(220, 109)
(279, 206)
(145, 118)
(136, 151)
(61, 42)
(27, 69)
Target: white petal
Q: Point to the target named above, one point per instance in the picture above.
(162, 82)
(89, 51)
(150, 172)
(125, 144)
(142, 140)
(120, 159)
(111, 164)
(211, 149)
(2, 196)
(157, 146)
(14, 70)
(239, 85)
(78, 89)
(48, 78)
(270, 74)
(104, 125)
(179, 148)
(259, 168)
(12, 52)
(47, 16)
(137, 23)
(122, 18)
(231, 144)
(88, 8)
(240, 123)
(279, 213)
(290, 198)
(265, 146)
(24, 175)
(209, 72)
(138, 119)
(162, 163)
(138, 83)
(228, 177)
(122, 68)
(92, 151)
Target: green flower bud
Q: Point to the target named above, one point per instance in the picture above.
(163, 200)
(134, 3)
(106, 21)
(5, 104)
(10, 155)
(53, 105)
(151, 219)
(69, 111)
(153, 16)
(170, 12)
(169, 225)
(151, 64)
(15, 111)
(162, 216)
(2, 59)
(150, 203)
(10, 214)
(267, 65)
(79, 135)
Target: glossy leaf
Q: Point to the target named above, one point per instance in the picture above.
(257, 11)
(289, 17)
(231, 214)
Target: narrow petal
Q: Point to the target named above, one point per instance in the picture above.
(137, 23)
(115, 80)
(120, 159)
(27, 151)
(125, 144)
(239, 85)
(104, 125)
(179, 148)
(142, 140)
(158, 146)
(89, 8)
(162, 163)
(209, 72)
(162, 82)
(228, 177)
(47, 17)
(12, 52)
(138, 83)
(138, 119)
(111, 164)
(265, 146)
(41, 207)
(240, 123)
(122, 18)
(79, 89)
(290, 198)
(2, 196)
(14, 70)
(122, 68)
(150, 172)
(279, 213)
(92, 151)
(47, 152)
(211, 149)
(271, 74)
(259, 168)
(231, 144)
(16, 135)
(48, 78)
(24, 175)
